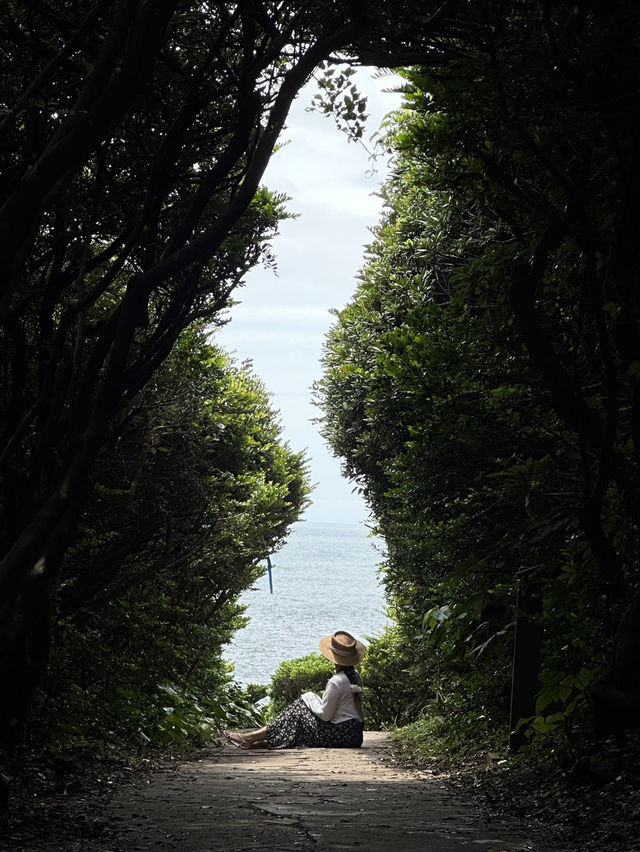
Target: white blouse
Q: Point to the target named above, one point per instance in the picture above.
(337, 703)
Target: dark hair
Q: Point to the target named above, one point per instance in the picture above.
(354, 678)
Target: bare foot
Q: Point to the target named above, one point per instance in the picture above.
(235, 739)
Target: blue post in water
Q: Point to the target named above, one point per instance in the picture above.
(270, 577)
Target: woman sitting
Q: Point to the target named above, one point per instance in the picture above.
(333, 721)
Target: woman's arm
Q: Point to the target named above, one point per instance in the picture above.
(324, 708)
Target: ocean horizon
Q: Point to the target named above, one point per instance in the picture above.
(325, 578)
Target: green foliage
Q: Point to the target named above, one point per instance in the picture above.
(479, 386)
(256, 692)
(184, 718)
(562, 703)
(188, 719)
(404, 395)
(441, 730)
(339, 97)
(152, 125)
(388, 688)
(293, 677)
(199, 490)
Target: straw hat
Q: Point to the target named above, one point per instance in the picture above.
(341, 648)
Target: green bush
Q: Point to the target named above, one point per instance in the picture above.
(385, 674)
(444, 729)
(293, 677)
(386, 680)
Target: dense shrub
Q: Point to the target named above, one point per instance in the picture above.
(385, 674)
(293, 677)
(480, 386)
(199, 488)
(386, 680)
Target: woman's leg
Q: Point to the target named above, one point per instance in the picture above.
(295, 726)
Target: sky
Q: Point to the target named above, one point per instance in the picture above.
(281, 318)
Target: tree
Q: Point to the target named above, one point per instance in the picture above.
(431, 413)
(482, 387)
(197, 491)
(546, 136)
(133, 140)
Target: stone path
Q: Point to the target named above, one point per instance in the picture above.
(300, 799)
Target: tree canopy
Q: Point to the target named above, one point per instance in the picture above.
(482, 386)
(197, 491)
(133, 140)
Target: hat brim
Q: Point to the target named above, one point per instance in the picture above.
(351, 660)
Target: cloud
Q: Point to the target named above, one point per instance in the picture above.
(281, 321)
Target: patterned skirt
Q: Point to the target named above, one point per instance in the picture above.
(298, 726)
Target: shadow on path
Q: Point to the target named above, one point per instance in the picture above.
(300, 799)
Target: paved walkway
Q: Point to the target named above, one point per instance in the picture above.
(301, 799)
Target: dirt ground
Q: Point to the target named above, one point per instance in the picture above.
(302, 799)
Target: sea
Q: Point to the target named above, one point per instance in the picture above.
(325, 578)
